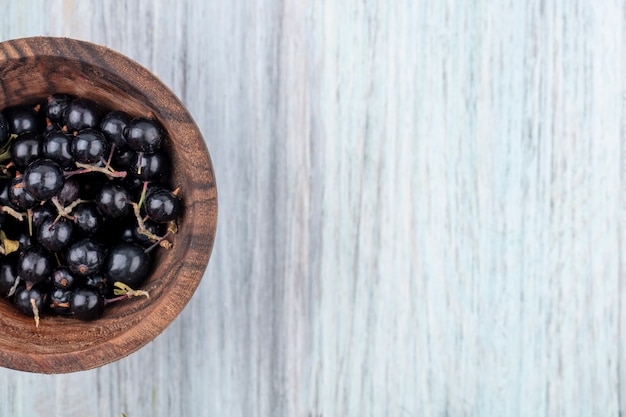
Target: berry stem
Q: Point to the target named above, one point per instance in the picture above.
(8, 210)
(65, 305)
(142, 229)
(140, 158)
(108, 166)
(56, 256)
(160, 242)
(110, 158)
(123, 292)
(65, 211)
(33, 303)
(143, 194)
(14, 287)
(86, 168)
(108, 301)
(29, 214)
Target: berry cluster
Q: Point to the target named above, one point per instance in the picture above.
(85, 198)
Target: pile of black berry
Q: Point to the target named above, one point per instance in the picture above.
(85, 200)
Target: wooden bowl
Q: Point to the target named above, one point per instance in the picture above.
(33, 68)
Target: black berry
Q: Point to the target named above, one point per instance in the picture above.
(25, 149)
(81, 114)
(85, 257)
(56, 104)
(63, 278)
(31, 301)
(162, 205)
(21, 198)
(55, 235)
(89, 146)
(145, 135)
(114, 126)
(8, 275)
(113, 199)
(87, 303)
(150, 167)
(22, 119)
(127, 263)
(43, 179)
(34, 265)
(56, 146)
(88, 218)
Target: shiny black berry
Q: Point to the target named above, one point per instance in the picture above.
(145, 135)
(127, 263)
(22, 119)
(162, 205)
(85, 257)
(113, 200)
(56, 146)
(25, 149)
(81, 114)
(55, 235)
(87, 303)
(88, 218)
(43, 179)
(55, 107)
(114, 126)
(63, 278)
(151, 167)
(25, 298)
(123, 159)
(21, 198)
(89, 146)
(99, 281)
(34, 265)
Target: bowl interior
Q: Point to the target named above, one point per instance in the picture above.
(32, 69)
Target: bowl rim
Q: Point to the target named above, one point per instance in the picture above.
(156, 92)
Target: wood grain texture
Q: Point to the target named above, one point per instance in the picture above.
(421, 209)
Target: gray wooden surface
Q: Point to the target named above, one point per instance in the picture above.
(422, 209)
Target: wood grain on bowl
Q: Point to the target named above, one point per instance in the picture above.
(33, 68)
